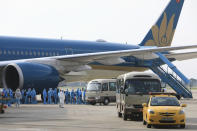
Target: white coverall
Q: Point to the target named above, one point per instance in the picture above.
(61, 98)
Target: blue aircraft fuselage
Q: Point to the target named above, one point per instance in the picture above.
(13, 48)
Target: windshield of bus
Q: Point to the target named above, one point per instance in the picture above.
(164, 101)
(142, 86)
(94, 86)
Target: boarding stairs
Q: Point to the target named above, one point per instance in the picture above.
(172, 76)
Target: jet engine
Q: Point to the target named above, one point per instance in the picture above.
(30, 75)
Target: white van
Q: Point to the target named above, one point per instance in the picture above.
(101, 91)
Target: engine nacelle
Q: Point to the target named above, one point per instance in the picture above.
(30, 75)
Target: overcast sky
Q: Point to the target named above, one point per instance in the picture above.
(113, 20)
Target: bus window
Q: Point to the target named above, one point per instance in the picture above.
(94, 86)
(144, 86)
(105, 87)
(112, 86)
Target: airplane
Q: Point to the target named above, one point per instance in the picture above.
(43, 63)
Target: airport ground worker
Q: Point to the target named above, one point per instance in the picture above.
(72, 97)
(55, 96)
(5, 93)
(18, 97)
(77, 96)
(80, 96)
(49, 96)
(61, 98)
(52, 96)
(11, 97)
(84, 96)
(44, 93)
(23, 96)
(66, 95)
(28, 96)
(33, 97)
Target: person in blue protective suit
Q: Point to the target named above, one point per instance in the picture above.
(5, 94)
(33, 96)
(28, 96)
(44, 95)
(80, 96)
(55, 96)
(35, 100)
(23, 96)
(76, 96)
(11, 97)
(66, 96)
(52, 97)
(72, 97)
(49, 96)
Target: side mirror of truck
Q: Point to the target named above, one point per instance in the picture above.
(144, 105)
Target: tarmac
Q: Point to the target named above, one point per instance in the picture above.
(41, 117)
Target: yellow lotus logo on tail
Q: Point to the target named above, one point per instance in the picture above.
(162, 36)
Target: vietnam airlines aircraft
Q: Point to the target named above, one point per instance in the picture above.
(43, 63)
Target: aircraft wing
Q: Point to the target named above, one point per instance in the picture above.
(91, 57)
(182, 56)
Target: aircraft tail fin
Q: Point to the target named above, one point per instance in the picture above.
(161, 34)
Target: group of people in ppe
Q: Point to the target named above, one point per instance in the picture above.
(61, 96)
(12, 97)
(49, 97)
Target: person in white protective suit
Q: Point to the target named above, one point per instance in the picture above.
(61, 98)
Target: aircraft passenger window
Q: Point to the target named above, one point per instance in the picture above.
(47, 54)
(58, 54)
(17, 52)
(0, 52)
(50, 54)
(4, 52)
(53, 53)
(34, 53)
(38, 53)
(30, 53)
(112, 86)
(13, 52)
(9, 52)
(26, 52)
(42, 53)
(22, 53)
(105, 87)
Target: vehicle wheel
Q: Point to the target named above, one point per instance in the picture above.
(148, 126)
(144, 122)
(119, 114)
(93, 103)
(182, 126)
(2, 111)
(106, 101)
(124, 117)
